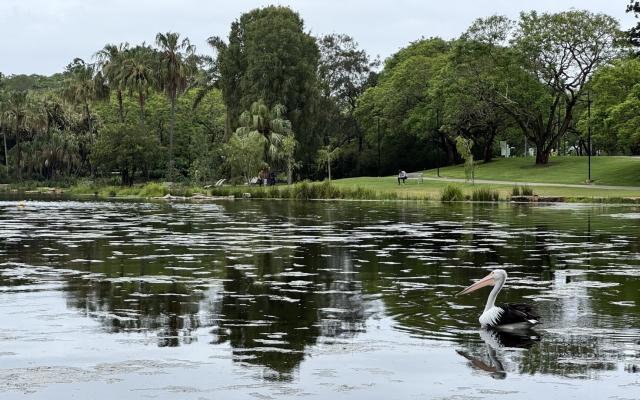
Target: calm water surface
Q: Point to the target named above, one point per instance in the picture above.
(287, 300)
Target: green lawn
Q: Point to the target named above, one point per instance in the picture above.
(622, 171)
(618, 171)
(433, 189)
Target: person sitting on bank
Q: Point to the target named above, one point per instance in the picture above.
(402, 176)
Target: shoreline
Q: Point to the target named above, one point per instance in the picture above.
(315, 191)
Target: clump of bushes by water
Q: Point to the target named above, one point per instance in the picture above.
(153, 189)
(304, 190)
(515, 191)
(485, 194)
(524, 190)
(452, 193)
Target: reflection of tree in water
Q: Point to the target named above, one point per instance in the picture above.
(342, 308)
(169, 309)
(271, 317)
(573, 356)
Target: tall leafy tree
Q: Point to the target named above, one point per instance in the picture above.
(345, 71)
(111, 62)
(270, 57)
(244, 153)
(634, 32)
(83, 84)
(614, 118)
(404, 101)
(560, 51)
(465, 110)
(18, 108)
(177, 65)
(138, 75)
(3, 113)
(125, 148)
(276, 132)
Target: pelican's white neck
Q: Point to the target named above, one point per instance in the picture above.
(491, 301)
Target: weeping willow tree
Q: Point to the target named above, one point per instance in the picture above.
(270, 126)
(464, 147)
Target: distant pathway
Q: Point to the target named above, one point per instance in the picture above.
(433, 178)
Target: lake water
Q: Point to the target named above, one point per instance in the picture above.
(340, 300)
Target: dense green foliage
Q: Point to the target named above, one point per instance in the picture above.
(272, 98)
(270, 58)
(451, 193)
(615, 117)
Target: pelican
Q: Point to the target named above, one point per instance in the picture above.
(503, 316)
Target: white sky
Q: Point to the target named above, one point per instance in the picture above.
(42, 36)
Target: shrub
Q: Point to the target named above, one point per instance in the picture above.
(152, 189)
(452, 193)
(515, 191)
(526, 190)
(485, 194)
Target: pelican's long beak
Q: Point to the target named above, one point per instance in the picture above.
(486, 281)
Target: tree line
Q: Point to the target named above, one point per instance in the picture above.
(273, 98)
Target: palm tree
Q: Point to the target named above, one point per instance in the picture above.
(17, 109)
(3, 113)
(275, 130)
(110, 61)
(138, 74)
(177, 66)
(83, 84)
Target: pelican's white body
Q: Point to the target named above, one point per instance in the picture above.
(490, 316)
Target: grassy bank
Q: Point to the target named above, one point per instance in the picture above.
(433, 189)
(364, 188)
(617, 171)
(303, 191)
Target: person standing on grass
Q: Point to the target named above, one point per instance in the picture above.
(402, 176)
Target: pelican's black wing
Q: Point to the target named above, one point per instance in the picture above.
(517, 313)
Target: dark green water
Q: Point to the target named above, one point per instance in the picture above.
(258, 299)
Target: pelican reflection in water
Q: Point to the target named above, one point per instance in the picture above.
(494, 341)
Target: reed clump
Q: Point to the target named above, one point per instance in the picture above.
(451, 193)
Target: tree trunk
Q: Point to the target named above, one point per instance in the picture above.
(542, 154)
(289, 174)
(6, 157)
(18, 169)
(487, 153)
(88, 114)
(132, 177)
(120, 106)
(329, 166)
(125, 176)
(227, 126)
(172, 121)
(141, 102)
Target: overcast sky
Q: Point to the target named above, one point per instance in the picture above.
(42, 36)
